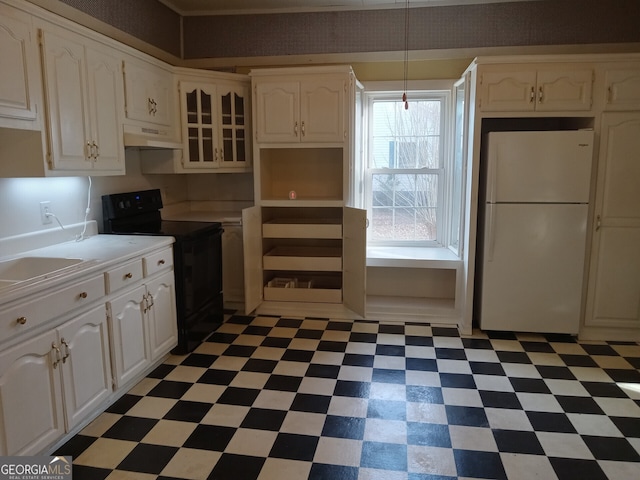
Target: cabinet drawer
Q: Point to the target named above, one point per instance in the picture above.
(303, 258)
(41, 309)
(156, 262)
(124, 275)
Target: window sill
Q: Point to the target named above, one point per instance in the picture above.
(412, 257)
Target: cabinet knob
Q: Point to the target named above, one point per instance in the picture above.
(21, 320)
(161, 262)
(82, 295)
(128, 275)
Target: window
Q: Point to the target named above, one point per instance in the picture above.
(405, 167)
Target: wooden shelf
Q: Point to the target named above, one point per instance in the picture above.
(320, 259)
(303, 228)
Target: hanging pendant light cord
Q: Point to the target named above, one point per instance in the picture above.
(406, 54)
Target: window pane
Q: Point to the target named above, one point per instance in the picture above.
(404, 207)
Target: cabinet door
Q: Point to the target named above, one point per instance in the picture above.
(199, 125)
(106, 101)
(31, 411)
(623, 89)
(232, 264)
(18, 57)
(322, 112)
(510, 91)
(148, 93)
(252, 246)
(86, 365)
(130, 349)
(65, 86)
(277, 112)
(233, 115)
(161, 315)
(564, 90)
(614, 278)
(355, 259)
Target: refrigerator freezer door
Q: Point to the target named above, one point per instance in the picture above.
(534, 167)
(532, 273)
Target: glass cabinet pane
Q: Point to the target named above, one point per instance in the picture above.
(207, 114)
(239, 114)
(192, 106)
(226, 109)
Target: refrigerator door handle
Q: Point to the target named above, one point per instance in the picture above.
(491, 223)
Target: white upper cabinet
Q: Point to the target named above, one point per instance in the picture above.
(149, 94)
(525, 88)
(84, 93)
(305, 110)
(19, 75)
(215, 125)
(622, 89)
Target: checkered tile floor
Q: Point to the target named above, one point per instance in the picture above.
(278, 398)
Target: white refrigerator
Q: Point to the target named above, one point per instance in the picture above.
(535, 223)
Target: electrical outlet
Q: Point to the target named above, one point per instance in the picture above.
(45, 207)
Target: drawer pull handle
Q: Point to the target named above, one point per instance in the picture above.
(128, 275)
(82, 295)
(57, 353)
(21, 320)
(161, 262)
(66, 350)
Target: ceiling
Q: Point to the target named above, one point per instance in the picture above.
(230, 7)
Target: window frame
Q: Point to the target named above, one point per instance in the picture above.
(442, 91)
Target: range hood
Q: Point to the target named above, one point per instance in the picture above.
(149, 138)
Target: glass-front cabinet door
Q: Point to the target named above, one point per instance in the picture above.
(233, 126)
(199, 129)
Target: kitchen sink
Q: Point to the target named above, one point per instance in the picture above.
(27, 268)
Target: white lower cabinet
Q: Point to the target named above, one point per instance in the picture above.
(143, 326)
(49, 382)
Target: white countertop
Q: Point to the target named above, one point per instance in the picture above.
(98, 252)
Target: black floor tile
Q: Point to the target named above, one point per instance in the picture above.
(529, 385)
(540, 347)
(477, 344)
(258, 330)
(359, 337)
(385, 456)
(578, 360)
(226, 338)
(609, 448)
(264, 419)
(329, 346)
(239, 396)
(457, 380)
(501, 335)
(283, 383)
(237, 467)
(132, 429)
(83, 472)
(323, 371)
(347, 388)
(199, 360)
(573, 468)
(186, 411)
(599, 350)
(513, 441)
(294, 447)
(475, 464)
(289, 323)
(75, 446)
(124, 404)
(259, 365)
(392, 329)
(309, 334)
(217, 377)
(321, 471)
(383, 375)
(444, 332)
(167, 389)
(629, 427)
(554, 372)
(339, 326)
(145, 458)
(306, 402)
(421, 364)
(550, 422)
(450, 353)
(467, 416)
(210, 437)
(487, 368)
(390, 350)
(428, 434)
(579, 405)
(239, 351)
(513, 357)
(276, 342)
(357, 360)
(418, 341)
(161, 371)
(623, 375)
(240, 319)
(500, 399)
(292, 355)
(344, 427)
